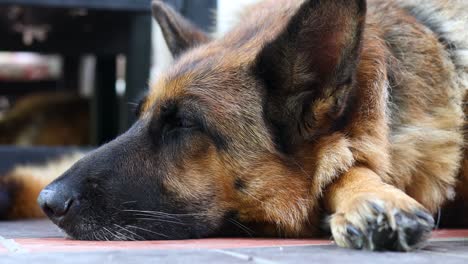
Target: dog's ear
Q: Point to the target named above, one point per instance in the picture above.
(309, 69)
(178, 32)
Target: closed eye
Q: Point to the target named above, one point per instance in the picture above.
(175, 125)
(180, 124)
(186, 123)
(174, 122)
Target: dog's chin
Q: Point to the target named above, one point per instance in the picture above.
(83, 236)
(86, 232)
(96, 233)
(90, 231)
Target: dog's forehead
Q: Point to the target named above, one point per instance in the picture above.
(201, 74)
(213, 68)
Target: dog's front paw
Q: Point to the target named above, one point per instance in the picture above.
(389, 221)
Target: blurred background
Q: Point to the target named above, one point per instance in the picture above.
(72, 72)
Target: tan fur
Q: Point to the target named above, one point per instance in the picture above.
(29, 180)
(47, 119)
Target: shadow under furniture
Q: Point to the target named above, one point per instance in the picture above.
(104, 28)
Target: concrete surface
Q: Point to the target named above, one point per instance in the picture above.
(39, 241)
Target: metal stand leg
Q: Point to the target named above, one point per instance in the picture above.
(105, 104)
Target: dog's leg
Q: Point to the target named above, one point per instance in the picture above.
(20, 188)
(369, 214)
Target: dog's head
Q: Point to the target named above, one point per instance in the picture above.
(229, 139)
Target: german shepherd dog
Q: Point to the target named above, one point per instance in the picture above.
(348, 112)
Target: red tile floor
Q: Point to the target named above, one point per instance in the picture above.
(40, 242)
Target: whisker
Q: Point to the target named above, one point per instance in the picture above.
(163, 213)
(126, 230)
(242, 227)
(149, 231)
(155, 216)
(124, 237)
(120, 236)
(109, 232)
(161, 220)
(160, 215)
(95, 235)
(129, 202)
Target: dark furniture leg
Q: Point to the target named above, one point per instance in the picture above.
(70, 77)
(105, 121)
(138, 66)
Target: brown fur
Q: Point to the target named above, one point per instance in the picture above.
(368, 133)
(412, 142)
(47, 119)
(380, 144)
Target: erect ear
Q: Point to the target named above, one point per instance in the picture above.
(309, 69)
(178, 32)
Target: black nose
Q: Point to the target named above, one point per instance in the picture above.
(55, 202)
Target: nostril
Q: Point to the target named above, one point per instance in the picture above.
(67, 206)
(48, 210)
(54, 204)
(57, 210)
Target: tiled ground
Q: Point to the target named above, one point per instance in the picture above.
(40, 242)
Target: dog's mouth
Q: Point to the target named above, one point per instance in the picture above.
(115, 233)
(91, 230)
(141, 226)
(131, 225)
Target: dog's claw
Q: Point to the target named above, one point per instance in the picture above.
(425, 216)
(354, 237)
(390, 229)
